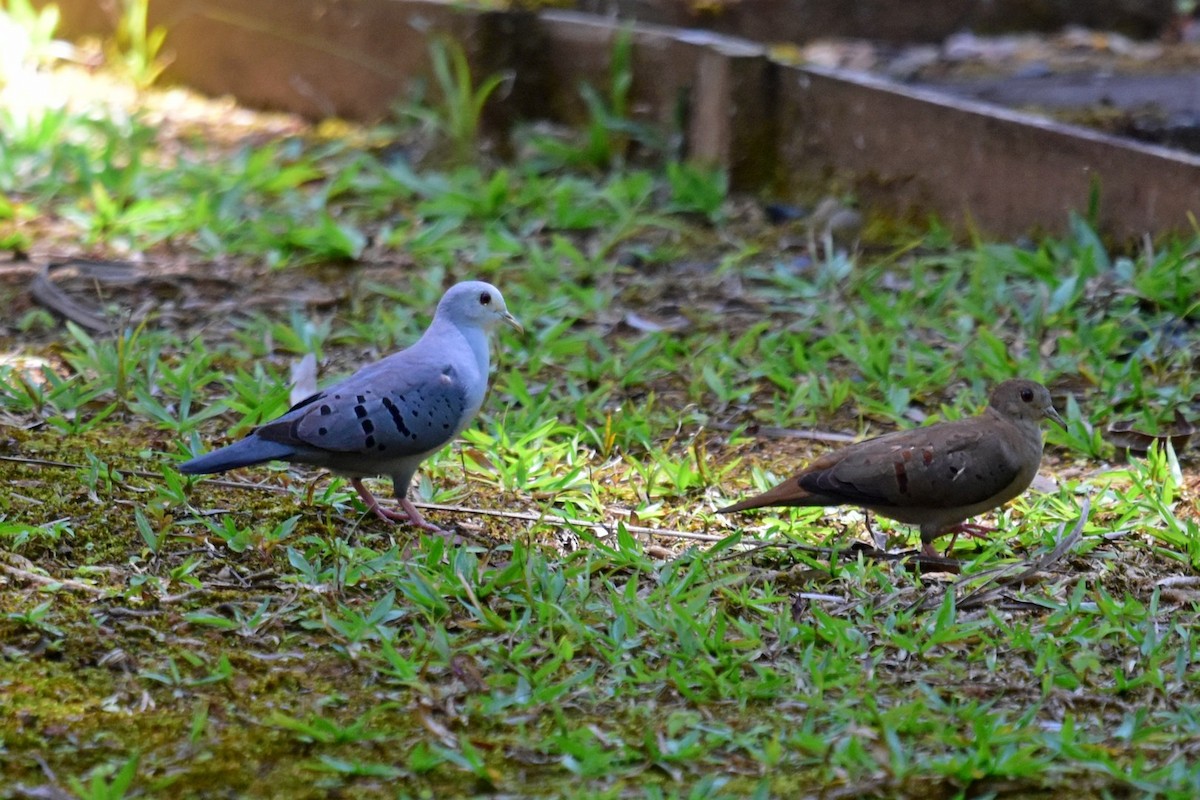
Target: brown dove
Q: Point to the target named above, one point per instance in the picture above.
(934, 477)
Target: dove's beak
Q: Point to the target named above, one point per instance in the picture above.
(511, 320)
(1053, 415)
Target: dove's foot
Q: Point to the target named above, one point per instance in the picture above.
(373, 504)
(387, 515)
(409, 515)
(969, 528)
(414, 518)
(973, 530)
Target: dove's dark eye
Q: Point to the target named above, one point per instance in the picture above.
(485, 299)
(1027, 395)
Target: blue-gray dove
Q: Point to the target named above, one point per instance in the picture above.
(389, 416)
(935, 477)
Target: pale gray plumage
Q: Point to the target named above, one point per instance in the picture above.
(935, 477)
(389, 416)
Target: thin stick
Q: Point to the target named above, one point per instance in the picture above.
(520, 515)
(787, 433)
(47, 580)
(566, 521)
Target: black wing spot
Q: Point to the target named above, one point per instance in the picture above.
(370, 441)
(397, 417)
(337, 397)
(382, 447)
(368, 426)
(326, 411)
(362, 398)
(322, 431)
(360, 411)
(312, 398)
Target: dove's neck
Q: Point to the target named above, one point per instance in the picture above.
(444, 330)
(477, 339)
(1030, 430)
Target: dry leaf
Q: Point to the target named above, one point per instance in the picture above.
(1124, 436)
(304, 379)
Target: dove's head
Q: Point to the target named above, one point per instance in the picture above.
(1024, 400)
(476, 303)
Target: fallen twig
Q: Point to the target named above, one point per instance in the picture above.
(44, 290)
(47, 580)
(572, 523)
(785, 433)
(605, 528)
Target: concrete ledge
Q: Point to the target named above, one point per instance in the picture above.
(1001, 171)
(888, 20)
(910, 152)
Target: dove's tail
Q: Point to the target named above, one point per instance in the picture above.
(788, 493)
(249, 451)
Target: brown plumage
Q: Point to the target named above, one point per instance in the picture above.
(933, 477)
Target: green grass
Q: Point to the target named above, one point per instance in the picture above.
(163, 632)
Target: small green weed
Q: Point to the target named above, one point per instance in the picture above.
(459, 114)
(112, 781)
(137, 49)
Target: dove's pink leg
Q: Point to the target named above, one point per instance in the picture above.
(373, 504)
(410, 515)
(415, 518)
(970, 529)
(973, 529)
